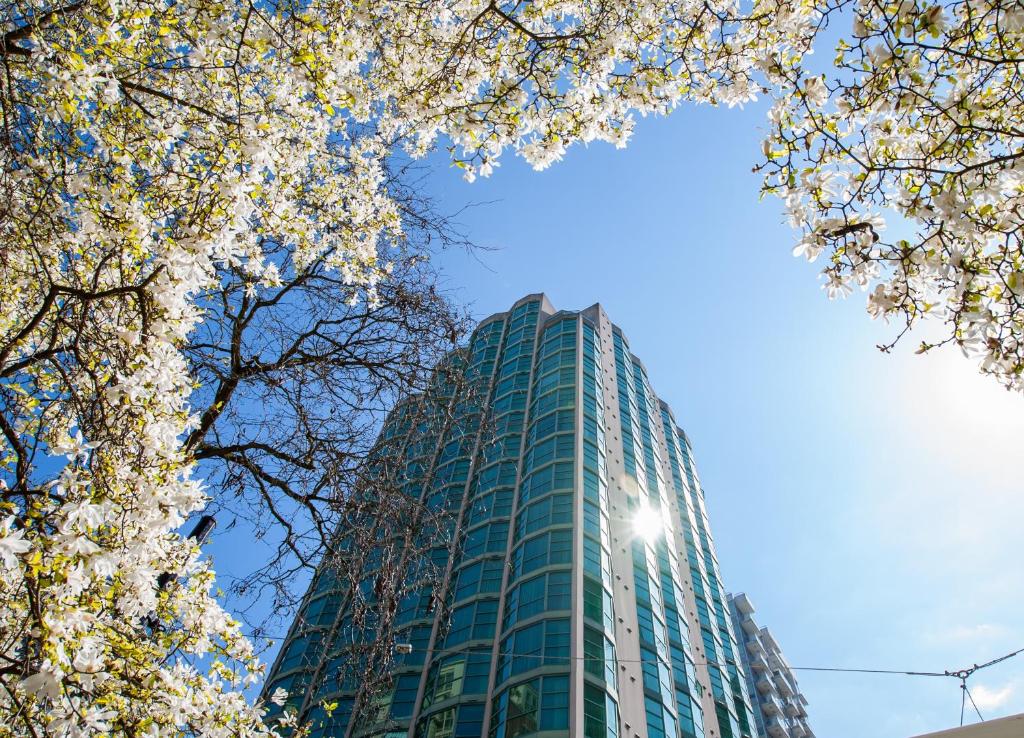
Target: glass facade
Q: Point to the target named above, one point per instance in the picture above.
(558, 617)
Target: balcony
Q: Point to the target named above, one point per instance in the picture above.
(749, 626)
(754, 645)
(783, 685)
(792, 709)
(770, 705)
(764, 684)
(797, 730)
(769, 640)
(742, 603)
(757, 662)
(776, 728)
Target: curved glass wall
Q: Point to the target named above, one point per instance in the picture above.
(526, 635)
(532, 673)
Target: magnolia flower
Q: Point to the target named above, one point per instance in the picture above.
(934, 19)
(815, 91)
(42, 684)
(74, 447)
(12, 544)
(83, 514)
(279, 697)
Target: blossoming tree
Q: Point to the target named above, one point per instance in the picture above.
(151, 148)
(921, 122)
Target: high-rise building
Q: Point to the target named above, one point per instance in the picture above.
(582, 590)
(780, 706)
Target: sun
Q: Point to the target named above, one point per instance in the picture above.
(648, 522)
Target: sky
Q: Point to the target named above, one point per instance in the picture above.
(869, 504)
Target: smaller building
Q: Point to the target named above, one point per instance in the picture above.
(779, 706)
(1007, 727)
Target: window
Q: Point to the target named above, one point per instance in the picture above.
(295, 684)
(554, 422)
(532, 555)
(444, 681)
(449, 681)
(523, 701)
(554, 701)
(655, 719)
(301, 652)
(596, 561)
(452, 677)
(418, 637)
(645, 620)
(405, 696)
(478, 671)
(530, 598)
(484, 619)
(521, 652)
(471, 721)
(556, 447)
(501, 447)
(487, 538)
(549, 548)
(594, 522)
(328, 580)
(376, 710)
(691, 723)
(600, 713)
(554, 477)
(336, 724)
(510, 423)
(552, 510)
(460, 625)
(682, 671)
(441, 724)
(597, 604)
(551, 591)
(564, 397)
(321, 611)
(483, 576)
(490, 577)
(467, 582)
(598, 655)
(475, 620)
(499, 475)
(514, 401)
(539, 704)
(649, 666)
(415, 605)
(495, 504)
(559, 590)
(542, 644)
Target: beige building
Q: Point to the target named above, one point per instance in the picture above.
(1007, 727)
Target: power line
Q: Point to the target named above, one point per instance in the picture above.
(964, 694)
(868, 671)
(962, 674)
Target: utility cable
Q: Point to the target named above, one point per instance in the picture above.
(960, 674)
(968, 693)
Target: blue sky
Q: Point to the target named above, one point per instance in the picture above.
(869, 504)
